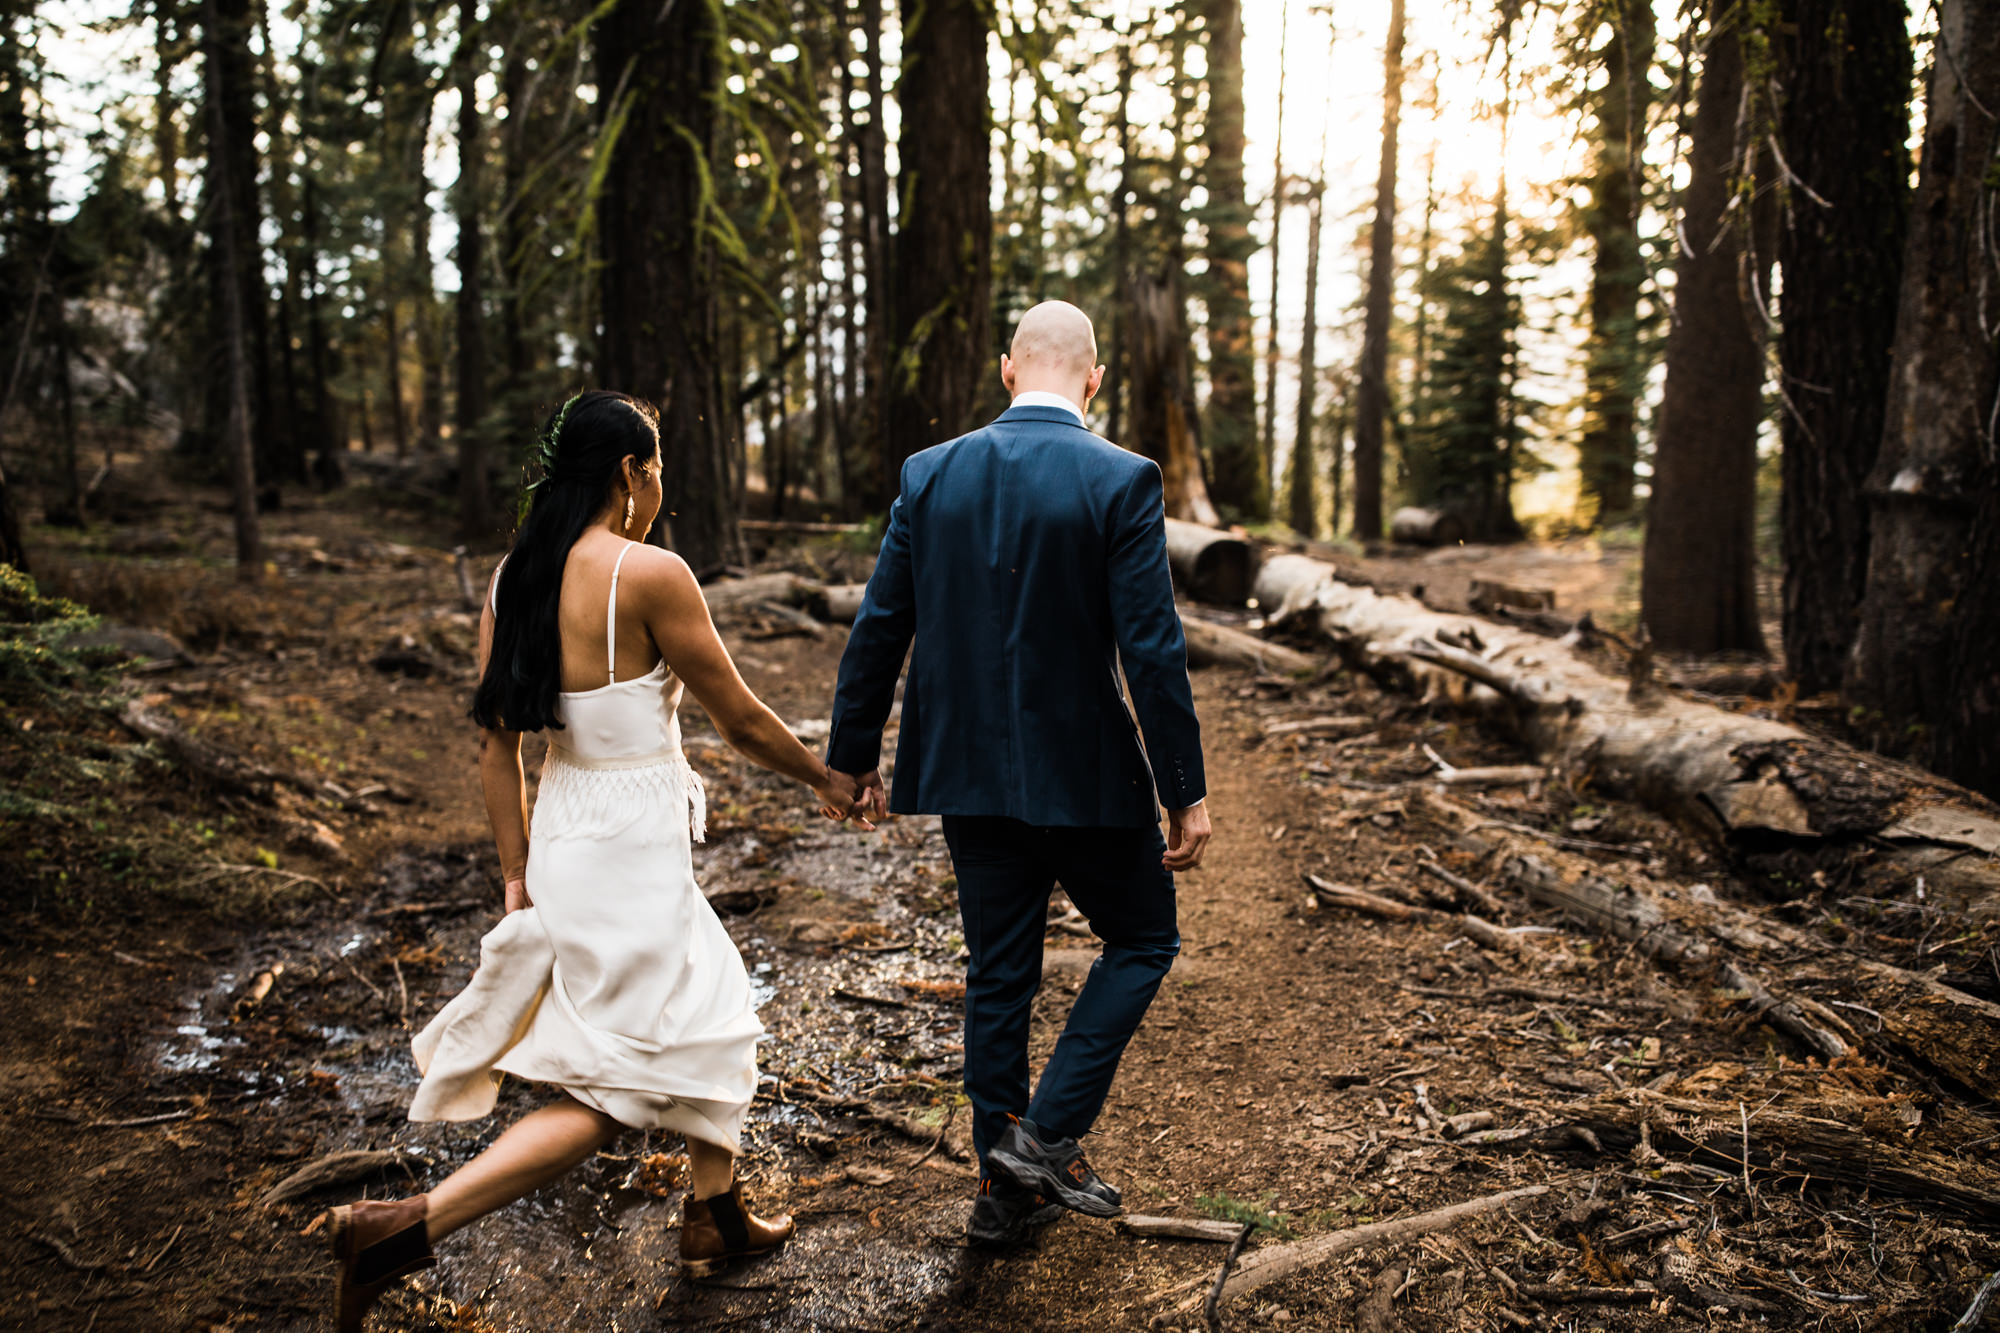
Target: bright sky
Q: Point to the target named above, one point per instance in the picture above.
(1333, 88)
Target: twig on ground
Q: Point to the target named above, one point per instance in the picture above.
(354, 971)
(1209, 1313)
(1980, 1300)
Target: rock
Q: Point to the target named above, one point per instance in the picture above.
(404, 656)
(144, 644)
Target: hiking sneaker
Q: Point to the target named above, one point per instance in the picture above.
(1004, 1212)
(1055, 1169)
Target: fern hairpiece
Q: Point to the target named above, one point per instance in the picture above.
(545, 443)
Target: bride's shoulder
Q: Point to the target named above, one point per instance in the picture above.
(659, 571)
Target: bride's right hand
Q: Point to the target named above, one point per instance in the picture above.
(839, 794)
(517, 895)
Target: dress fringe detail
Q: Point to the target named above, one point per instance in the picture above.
(594, 799)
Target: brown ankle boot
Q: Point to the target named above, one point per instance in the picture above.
(718, 1229)
(376, 1243)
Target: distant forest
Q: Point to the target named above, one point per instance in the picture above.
(389, 235)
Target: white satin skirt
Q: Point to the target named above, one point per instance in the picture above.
(619, 985)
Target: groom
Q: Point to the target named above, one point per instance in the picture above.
(1027, 562)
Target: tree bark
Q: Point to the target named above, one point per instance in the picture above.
(1698, 581)
(1929, 633)
(944, 238)
(1371, 408)
(230, 85)
(876, 487)
(1844, 122)
(223, 33)
(1270, 440)
(475, 499)
(1615, 368)
(1303, 510)
(1237, 480)
(1211, 565)
(661, 334)
(1163, 424)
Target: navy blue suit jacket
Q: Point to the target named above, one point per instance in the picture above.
(1024, 562)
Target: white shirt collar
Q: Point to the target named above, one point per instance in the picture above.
(1042, 398)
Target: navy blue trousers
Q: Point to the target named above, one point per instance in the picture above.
(1006, 870)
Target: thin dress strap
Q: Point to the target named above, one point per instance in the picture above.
(611, 619)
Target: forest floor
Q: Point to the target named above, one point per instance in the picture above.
(213, 989)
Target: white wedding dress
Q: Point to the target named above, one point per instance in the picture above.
(619, 985)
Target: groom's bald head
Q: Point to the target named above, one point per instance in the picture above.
(1055, 336)
(1055, 351)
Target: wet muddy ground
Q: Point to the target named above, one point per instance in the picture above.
(165, 1066)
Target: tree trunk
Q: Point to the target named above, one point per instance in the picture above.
(392, 337)
(1211, 565)
(166, 105)
(1237, 479)
(1371, 407)
(944, 238)
(1304, 507)
(1929, 633)
(231, 84)
(1270, 440)
(1845, 70)
(430, 357)
(661, 333)
(515, 223)
(1698, 581)
(475, 500)
(1163, 422)
(1615, 368)
(1119, 362)
(12, 551)
(222, 30)
(875, 486)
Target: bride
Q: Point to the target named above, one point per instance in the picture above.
(610, 976)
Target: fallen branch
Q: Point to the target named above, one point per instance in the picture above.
(1479, 930)
(340, 1168)
(1378, 1313)
(1320, 726)
(1210, 644)
(1179, 1228)
(1211, 1308)
(1271, 1265)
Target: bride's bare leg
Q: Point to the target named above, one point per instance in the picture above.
(536, 1149)
(712, 1168)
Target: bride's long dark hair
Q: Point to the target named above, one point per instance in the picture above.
(582, 449)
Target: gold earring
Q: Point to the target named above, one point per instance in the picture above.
(628, 515)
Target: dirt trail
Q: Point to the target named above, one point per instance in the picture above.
(1277, 1077)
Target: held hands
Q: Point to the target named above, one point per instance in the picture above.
(1187, 837)
(843, 797)
(517, 895)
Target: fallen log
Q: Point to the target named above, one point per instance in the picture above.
(1951, 1031)
(733, 594)
(1799, 1149)
(1263, 1267)
(1415, 526)
(1734, 775)
(837, 603)
(213, 767)
(1209, 644)
(1211, 564)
